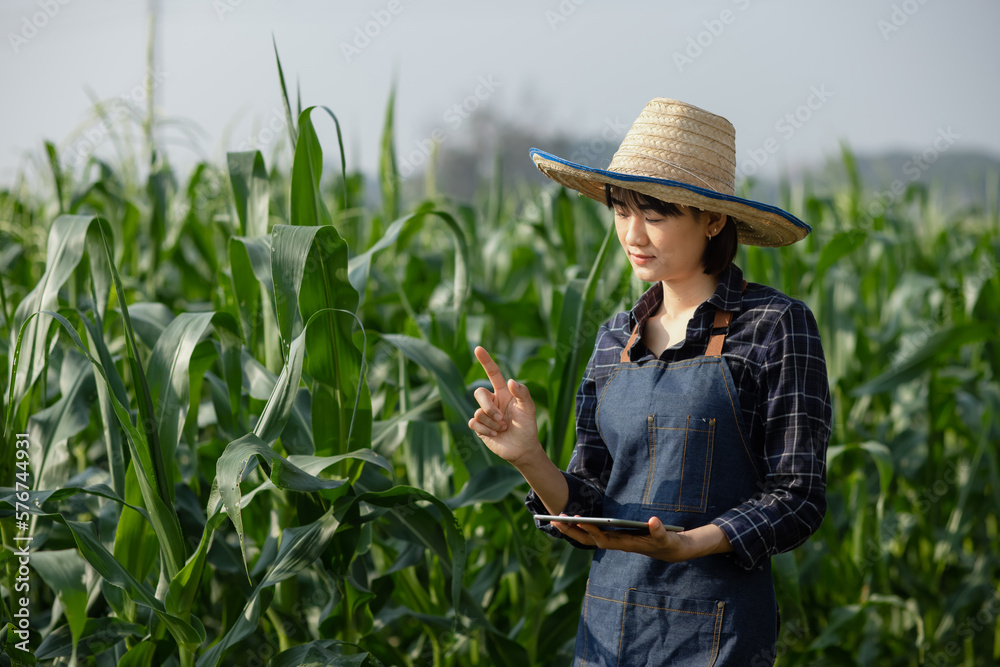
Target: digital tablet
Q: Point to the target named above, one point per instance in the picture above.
(606, 523)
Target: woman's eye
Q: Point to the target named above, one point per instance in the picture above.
(648, 219)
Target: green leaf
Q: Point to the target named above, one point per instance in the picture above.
(184, 586)
(360, 265)
(300, 547)
(341, 405)
(290, 250)
(312, 465)
(149, 319)
(136, 546)
(490, 485)
(140, 654)
(295, 429)
(11, 640)
(290, 121)
(109, 421)
(168, 365)
(69, 237)
(842, 244)
(504, 651)
(65, 418)
(388, 173)
(572, 337)
(162, 516)
(99, 634)
(284, 473)
(57, 495)
(63, 571)
(320, 653)
(307, 207)
(250, 190)
(400, 500)
(440, 366)
(565, 223)
(95, 553)
(279, 404)
(922, 360)
(253, 289)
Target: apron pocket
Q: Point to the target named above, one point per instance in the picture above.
(680, 463)
(598, 641)
(634, 628)
(665, 630)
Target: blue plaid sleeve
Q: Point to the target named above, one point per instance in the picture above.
(794, 402)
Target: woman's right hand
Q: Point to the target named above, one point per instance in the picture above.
(505, 420)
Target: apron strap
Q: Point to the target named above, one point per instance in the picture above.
(628, 345)
(722, 319)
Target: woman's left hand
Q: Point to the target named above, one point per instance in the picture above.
(660, 543)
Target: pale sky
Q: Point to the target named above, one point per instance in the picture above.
(795, 77)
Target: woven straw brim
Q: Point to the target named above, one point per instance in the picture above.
(756, 223)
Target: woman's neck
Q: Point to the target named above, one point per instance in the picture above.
(683, 296)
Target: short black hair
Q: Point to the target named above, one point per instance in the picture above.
(721, 249)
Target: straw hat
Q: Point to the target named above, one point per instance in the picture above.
(681, 154)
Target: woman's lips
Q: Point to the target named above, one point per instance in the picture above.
(641, 259)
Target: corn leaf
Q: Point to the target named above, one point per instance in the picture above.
(300, 546)
(248, 178)
(572, 338)
(69, 237)
(94, 552)
(63, 419)
(99, 634)
(109, 422)
(307, 207)
(919, 362)
(162, 517)
(63, 571)
(490, 486)
(388, 173)
(168, 366)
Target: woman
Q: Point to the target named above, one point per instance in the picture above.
(705, 407)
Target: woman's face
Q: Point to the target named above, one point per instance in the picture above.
(662, 247)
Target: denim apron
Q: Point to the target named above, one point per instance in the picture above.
(678, 442)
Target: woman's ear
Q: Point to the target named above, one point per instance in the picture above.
(714, 221)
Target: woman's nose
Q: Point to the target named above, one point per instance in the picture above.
(635, 232)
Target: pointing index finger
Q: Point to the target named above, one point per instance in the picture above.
(491, 368)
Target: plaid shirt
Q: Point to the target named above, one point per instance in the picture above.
(776, 360)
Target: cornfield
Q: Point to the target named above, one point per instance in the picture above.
(242, 402)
